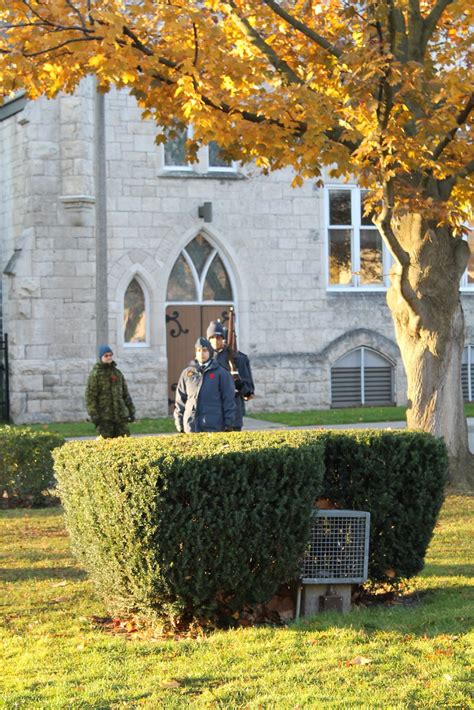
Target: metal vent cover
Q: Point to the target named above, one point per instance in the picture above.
(338, 548)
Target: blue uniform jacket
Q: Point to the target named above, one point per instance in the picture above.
(243, 386)
(204, 398)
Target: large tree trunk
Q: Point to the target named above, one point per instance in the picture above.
(426, 308)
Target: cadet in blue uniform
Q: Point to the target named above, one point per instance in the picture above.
(205, 394)
(243, 382)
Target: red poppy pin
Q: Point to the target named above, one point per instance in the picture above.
(114, 378)
(212, 376)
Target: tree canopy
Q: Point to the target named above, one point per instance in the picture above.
(378, 88)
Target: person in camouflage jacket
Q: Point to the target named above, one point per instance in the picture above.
(108, 400)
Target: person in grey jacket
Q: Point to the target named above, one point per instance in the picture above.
(204, 395)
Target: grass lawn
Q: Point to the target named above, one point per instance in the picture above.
(161, 425)
(316, 417)
(396, 657)
(356, 415)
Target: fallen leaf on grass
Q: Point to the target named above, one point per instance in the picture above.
(446, 676)
(171, 684)
(359, 661)
(98, 620)
(60, 584)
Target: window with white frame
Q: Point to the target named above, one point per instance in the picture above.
(210, 157)
(175, 150)
(356, 254)
(135, 315)
(467, 279)
(467, 373)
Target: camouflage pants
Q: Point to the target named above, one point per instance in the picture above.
(109, 429)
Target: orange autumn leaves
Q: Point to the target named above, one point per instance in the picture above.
(381, 90)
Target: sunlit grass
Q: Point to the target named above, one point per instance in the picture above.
(354, 415)
(414, 656)
(161, 425)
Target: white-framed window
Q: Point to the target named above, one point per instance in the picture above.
(356, 254)
(362, 377)
(467, 279)
(467, 373)
(210, 159)
(135, 315)
(175, 150)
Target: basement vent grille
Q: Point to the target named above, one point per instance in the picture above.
(338, 549)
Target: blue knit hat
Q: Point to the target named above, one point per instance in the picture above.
(104, 349)
(215, 328)
(204, 343)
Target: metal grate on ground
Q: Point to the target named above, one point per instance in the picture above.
(338, 548)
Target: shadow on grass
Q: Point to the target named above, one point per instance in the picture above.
(20, 574)
(434, 611)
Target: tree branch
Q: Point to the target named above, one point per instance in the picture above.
(52, 29)
(277, 62)
(36, 14)
(384, 224)
(414, 9)
(467, 170)
(415, 29)
(63, 44)
(77, 13)
(384, 90)
(138, 44)
(304, 29)
(432, 20)
(460, 119)
(397, 26)
(222, 106)
(196, 44)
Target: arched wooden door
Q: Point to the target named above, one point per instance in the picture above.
(199, 290)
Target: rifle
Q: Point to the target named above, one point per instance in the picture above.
(232, 344)
(232, 350)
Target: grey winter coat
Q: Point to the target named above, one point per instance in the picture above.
(204, 398)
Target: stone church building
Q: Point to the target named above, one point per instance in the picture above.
(107, 237)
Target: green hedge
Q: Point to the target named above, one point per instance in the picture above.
(26, 465)
(399, 477)
(190, 525)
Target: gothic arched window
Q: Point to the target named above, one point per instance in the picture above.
(134, 315)
(199, 274)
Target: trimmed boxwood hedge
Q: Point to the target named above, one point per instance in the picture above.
(190, 525)
(399, 477)
(26, 465)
